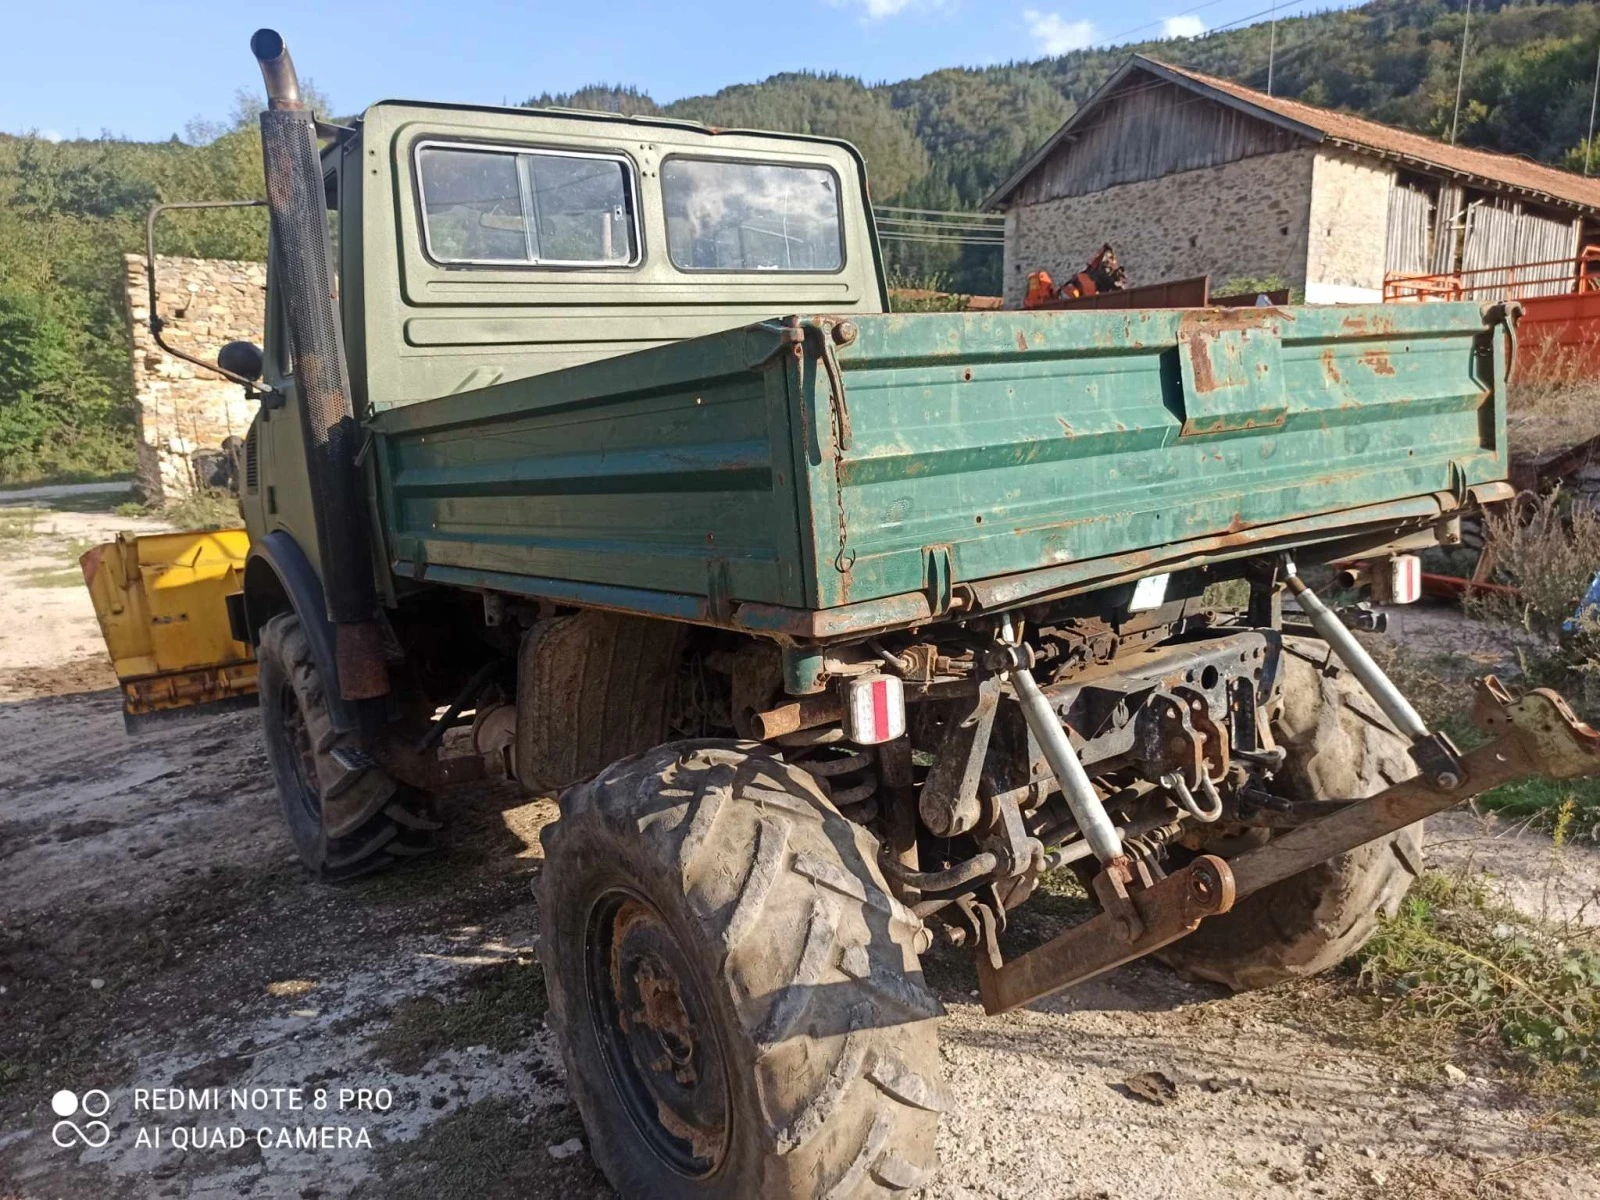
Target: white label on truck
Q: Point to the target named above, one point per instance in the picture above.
(1150, 592)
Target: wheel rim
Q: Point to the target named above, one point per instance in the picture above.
(656, 1034)
(302, 758)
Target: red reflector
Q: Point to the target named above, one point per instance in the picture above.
(880, 709)
(875, 709)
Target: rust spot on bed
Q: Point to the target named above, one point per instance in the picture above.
(1378, 360)
(1205, 380)
(1330, 367)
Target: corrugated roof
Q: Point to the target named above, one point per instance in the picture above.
(1506, 171)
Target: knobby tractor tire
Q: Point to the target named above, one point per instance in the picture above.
(737, 996)
(1340, 746)
(346, 816)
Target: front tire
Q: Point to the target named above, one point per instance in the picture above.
(737, 996)
(1340, 747)
(346, 815)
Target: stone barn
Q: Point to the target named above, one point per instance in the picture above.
(1185, 174)
(181, 408)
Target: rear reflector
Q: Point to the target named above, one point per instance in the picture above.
(875, 709)
(1398, 580)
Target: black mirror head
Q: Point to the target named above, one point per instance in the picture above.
(241, 358)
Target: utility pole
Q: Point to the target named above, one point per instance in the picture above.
(1461, 72)
(1588, 142)
(1272, 45)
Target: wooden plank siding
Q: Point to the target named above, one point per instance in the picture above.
(1502, 233)
(1147, 130)
(1410, 215)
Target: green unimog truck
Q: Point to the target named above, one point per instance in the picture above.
(834, 629)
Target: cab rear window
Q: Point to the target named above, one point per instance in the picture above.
(744, 216)
(496, 206)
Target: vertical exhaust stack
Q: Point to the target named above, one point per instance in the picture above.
(303, 269)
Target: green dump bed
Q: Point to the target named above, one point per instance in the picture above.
(778, 478)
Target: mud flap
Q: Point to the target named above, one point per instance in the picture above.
(161, 600)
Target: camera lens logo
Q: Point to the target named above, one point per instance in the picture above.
(92, 1133)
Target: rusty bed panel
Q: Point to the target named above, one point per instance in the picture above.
(1015, 442)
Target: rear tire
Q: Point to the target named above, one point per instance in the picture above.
(346, 815)
(737, 997)
(1340, 746)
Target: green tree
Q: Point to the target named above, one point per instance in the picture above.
(829, 105)
(600, 97)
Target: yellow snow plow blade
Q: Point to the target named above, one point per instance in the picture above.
(161, 602)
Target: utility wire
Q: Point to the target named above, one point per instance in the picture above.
(940, 227)
(1272, 48)
(942, 241)
(1248, 17)
(1588, 145)
(934, 212)
(1461, 72)
(1188, 12)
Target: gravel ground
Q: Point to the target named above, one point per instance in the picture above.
(156, 932)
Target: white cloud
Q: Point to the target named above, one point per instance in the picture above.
(877, 10)
(1182, 27)
(1057, 35)
(51, 135)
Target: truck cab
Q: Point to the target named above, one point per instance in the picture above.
(474, 246)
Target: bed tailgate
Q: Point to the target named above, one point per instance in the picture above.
(1065, 447)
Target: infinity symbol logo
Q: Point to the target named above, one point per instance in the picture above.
(93, 1134)
(93, 1103)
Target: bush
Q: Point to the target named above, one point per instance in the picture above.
(57, 416)
(205, 509)
(1498, 977)
(1547, 550)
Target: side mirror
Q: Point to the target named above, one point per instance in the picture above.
(242, 359)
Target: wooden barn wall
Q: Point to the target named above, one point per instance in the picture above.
(1145, 130)
(1504, 233)
(1449, 220)
(1410, 221)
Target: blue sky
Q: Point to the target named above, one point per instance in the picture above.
(75, 68)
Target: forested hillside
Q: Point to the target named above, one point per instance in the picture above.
(68, 211)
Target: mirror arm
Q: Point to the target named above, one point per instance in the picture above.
(252, 389)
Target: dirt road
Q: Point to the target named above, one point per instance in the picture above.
(156, 933)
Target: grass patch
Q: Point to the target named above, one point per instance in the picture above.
(487, 1151)
(1568, 809)
(1468, 971)
(77, 547)
(1439, 687)
(1546, 416)
(19, 524)
(501, 1008)
(204, 510)
(55, 577)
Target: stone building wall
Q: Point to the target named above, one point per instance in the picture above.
(1243, 219)
(182, 408)
(1349, 229)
